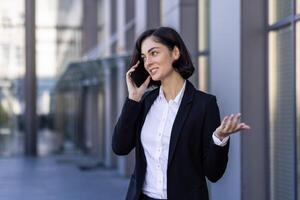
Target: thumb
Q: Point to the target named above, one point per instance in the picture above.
(146, 82)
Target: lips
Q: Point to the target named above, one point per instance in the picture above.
(153, 71)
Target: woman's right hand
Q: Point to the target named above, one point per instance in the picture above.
(135, 93)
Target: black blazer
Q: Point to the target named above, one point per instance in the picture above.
(192, 152)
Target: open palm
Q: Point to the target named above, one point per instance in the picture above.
(230, 125)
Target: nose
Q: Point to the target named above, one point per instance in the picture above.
(147, 61)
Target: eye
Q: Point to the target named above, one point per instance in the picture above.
(154, 53)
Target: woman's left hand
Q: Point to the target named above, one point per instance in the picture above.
(230, 125)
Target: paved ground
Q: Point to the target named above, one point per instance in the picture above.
(57, 178)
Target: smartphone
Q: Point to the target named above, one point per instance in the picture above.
(139, 75)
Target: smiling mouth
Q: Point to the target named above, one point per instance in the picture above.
(153, 71)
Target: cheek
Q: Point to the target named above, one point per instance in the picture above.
(166, 60)
(168, 63)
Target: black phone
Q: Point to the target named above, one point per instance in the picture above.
(139, 75)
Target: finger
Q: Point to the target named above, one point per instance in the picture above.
(229, 126)
(245, 126)
(235, 121)
(133, 68)
(224, 122)
(135, 65)
(242, 126)
(129, 72)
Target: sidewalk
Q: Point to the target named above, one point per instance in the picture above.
(57, 178)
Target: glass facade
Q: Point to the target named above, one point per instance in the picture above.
(12, 68)
(58, 42)
(69, 32)
(283, 99)
(279, 9)
(282, 114)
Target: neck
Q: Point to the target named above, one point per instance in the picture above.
(172, 86)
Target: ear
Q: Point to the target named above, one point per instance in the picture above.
(176, 53)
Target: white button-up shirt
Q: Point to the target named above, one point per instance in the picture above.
(155, 137)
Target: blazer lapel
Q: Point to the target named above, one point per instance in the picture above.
(180, 118)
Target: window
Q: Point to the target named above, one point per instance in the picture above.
(283, 98)
(281, 114)
(279, 9)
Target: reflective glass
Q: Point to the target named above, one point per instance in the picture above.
(281, 114)
(12, 68)
(279, 9)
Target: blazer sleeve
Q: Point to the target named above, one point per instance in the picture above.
(215, 157)
(124, 136)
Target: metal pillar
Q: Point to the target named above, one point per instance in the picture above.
(30, 81)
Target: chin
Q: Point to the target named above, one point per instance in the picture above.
(155, 78)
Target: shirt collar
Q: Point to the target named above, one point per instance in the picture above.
(178, 97)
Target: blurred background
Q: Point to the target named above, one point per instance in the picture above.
(62, 87)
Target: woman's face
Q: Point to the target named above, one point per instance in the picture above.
(158, 59)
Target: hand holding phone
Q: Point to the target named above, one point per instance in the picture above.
(139, 75)
(137, 84)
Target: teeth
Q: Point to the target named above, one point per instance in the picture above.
(152, 71)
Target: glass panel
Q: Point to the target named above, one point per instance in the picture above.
(69, 35)
(12, 67)
(279, 9)
(203, 73)
(58, 41)
(281, 114)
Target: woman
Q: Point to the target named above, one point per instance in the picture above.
(175, 129)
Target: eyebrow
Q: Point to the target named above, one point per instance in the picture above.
(150, 50)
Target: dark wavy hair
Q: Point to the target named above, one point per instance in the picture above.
(170, 38)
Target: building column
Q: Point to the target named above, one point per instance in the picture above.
(254, 158)
(109, 157)
(89, 25)
(30, 80)
(225, 82)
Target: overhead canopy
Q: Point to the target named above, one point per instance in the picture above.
(87, 73)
